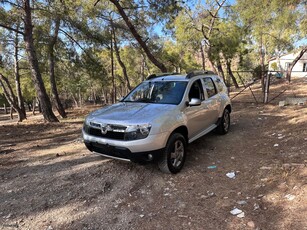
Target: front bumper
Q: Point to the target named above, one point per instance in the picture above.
(123, 153)
(146, 149)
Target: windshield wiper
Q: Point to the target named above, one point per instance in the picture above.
(142, 100)
(146, 100)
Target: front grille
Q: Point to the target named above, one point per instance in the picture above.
(108, 135)
(118, 128)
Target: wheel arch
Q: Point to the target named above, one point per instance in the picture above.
(182, 130)
(168, 161)
(228, 107)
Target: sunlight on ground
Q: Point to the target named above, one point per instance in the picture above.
(57, 216)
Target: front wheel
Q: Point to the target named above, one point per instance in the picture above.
(174, 155)
(224, 124)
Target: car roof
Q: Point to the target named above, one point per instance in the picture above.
(179, 77)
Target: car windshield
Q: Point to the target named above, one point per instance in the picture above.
(160, 92)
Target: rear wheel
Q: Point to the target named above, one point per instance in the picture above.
(223, 127)
(174, 155)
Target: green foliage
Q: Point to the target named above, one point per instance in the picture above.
(3, 100)
(274, 66)
(274, 26)
(27, 89)
(257, 71)
(83, 50)
(178, 58)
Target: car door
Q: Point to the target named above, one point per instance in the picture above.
(212, 102)
(197, 115)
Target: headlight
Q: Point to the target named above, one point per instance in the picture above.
(86, 126)
(135, 132)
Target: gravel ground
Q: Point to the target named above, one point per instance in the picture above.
(48, 180)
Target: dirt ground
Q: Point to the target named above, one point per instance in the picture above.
(48, 180)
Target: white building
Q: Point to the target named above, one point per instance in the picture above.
(299, 69)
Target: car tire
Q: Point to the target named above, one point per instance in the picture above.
(223, 126)
(174, 155)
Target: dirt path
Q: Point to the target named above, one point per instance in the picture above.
(48, 180)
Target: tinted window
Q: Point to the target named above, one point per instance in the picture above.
(209, 86)
(196, 91)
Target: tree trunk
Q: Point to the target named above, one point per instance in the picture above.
(112, 72)
(290, 67)
(279, 68)
(261, 53)
(5, 109)
(80, 97)
(34, 105)
(143, 67)
(207, 33)
(267, 88)
(33, 62)
(11, 113)
(208, 51)
(17, 76)
(75, 101)
(39, 106)
(29, 106)
(121, 63)
(10, 97)
(203, 60)
(105, 95)
(137, 36)
(220, 69)
(58, 103)
(229, 71)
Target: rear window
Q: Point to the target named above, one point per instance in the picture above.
(219, 85)
(209, 86)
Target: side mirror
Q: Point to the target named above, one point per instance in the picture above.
(194, 102)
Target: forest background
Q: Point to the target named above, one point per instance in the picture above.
(67, 53)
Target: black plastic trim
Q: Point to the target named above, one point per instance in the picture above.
(152, 76)
(197, 73)
(124, 153)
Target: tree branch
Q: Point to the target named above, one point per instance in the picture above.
(96, 2)
(117, 52)
(214, 17)
(11, 29)
(192, 21)
(138, 37)
(8, 91)
(77, 43)
(217, 2)
(11, 3)
(71, 38)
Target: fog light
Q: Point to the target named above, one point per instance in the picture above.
(150, 157)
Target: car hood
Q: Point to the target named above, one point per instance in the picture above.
(130, 113)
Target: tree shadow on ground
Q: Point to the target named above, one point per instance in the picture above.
(84, 191)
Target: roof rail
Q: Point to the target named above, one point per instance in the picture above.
(197, 73)
(151, 76)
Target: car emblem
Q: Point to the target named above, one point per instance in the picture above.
(105, 129)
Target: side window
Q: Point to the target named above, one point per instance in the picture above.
(196, 91)
(219, 84)
(209, 86)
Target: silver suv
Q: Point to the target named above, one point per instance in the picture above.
(157, 119)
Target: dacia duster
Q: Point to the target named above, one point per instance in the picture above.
(159, 118)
